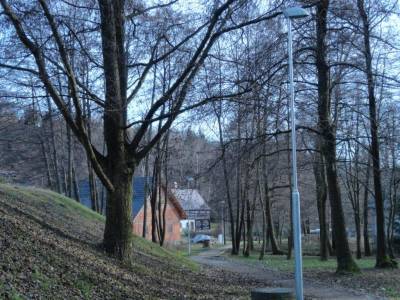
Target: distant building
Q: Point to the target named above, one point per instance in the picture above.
(195, 207)
(173, 215)
(174, 212)
(7, 175)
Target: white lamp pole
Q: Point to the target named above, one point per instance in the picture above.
(294, 13)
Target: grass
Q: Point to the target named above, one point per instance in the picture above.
(392, 293)
(11, 294)
(85, 285)
(42, 279)
(195, 249)
(52, 252)
(46, 196)
(15, 296)
(143, 245)
(70, 206)
(310, 263)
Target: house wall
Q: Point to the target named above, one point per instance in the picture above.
(173, 225)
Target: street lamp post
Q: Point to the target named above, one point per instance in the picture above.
(295, 13)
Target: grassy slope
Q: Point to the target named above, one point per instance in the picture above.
(49, 250)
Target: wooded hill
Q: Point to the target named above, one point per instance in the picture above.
(49, 250)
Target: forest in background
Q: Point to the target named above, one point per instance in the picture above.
(205, 105)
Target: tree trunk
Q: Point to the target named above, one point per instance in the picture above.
(270, 228)
(249, 231)
(227, 184)
(153, 200)
(367, 248)
(357, 223)
(70, 163)
(47, 165)
(92, 188)
(118, 229)
(54, 147)
(264, 220)
(382, 259)
(321, 193)
(345, 262)
(76, 186)
(120, 163)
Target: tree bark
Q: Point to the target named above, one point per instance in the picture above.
(46, 162)
(367, 248)
(120, 164)
(76, 186)
(382, 259)
(345, 262)
(118, 229)
(54, 147)
(321, 194)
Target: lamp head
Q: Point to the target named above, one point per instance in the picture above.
(295, 12)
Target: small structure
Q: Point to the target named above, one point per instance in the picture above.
(174, 212)
(195, 207)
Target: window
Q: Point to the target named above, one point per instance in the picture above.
(169, 228)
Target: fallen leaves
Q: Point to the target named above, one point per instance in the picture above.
(49, 252)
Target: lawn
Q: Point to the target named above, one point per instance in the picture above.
(281, 263)
(382, 282)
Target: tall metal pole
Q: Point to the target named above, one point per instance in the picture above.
(295, 191)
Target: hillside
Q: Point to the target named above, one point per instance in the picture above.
(49, 249)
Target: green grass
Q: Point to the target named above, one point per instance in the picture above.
(145, 246)
(74, 208)
(46, 196)
(279, 262)
(194, 250)
(42, 279)
(85, 285)
(15, 296)
(11, 294)
(392, 293)
(67, 206)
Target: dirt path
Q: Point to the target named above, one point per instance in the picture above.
(313, 289)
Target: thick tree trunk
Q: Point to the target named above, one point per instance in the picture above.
(382, 259)
(345, 262)
(118, 229)
(120, 163)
